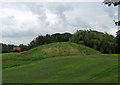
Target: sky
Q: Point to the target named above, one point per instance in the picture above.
(21, 22)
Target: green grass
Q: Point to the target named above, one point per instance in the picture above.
(46, 51)
(66, 69)
(63, 62)
(6, 56)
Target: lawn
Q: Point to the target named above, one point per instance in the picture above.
(101, 68)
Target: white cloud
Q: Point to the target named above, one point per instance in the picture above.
(16, 21)
(17, 41)
(52, 18)
(113, 31)
(27, 20)
(52, 0)
(88, 17)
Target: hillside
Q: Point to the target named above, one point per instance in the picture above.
(46, 51)
(63, 62)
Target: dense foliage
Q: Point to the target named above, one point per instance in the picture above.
(4, 48)
(57, 37)
(102, 42)
(117, 23)
(118, 41)
(23, 47)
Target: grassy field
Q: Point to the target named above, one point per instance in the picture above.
(67, 69)
(60, 63)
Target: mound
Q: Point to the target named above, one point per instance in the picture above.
(59, 49)
(47, 51)
(68, 48)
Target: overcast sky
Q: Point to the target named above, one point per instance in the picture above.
(21, 22)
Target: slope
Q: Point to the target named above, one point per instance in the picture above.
(46, 51)
(68, 69)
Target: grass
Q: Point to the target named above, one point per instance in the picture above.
(66, 69)
(45, 51)
(7, 56)
(62, 62)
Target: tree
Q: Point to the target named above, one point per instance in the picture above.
(117, 23)
(7, 48)
(57, 37)
(118, 41)
(100, 41)
(23, 47)
(46, 39)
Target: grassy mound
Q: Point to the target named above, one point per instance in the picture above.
(59, 49)
(46, 51)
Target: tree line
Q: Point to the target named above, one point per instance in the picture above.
(57, 37)
(40, 40)
(100, 41)
(7, 48)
